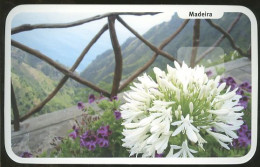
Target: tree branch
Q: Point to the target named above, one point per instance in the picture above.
(147, 65)
(228, 36)
(28, 27)
(59, 67)
(151, 46)
(195, 42)
(118, 56)
(65, 78)
(220, 39)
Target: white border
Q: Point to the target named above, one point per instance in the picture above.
(133, 8)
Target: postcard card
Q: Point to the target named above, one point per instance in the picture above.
(131, 84)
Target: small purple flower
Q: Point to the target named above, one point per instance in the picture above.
(91, 142)
(246, 86)
(244, 137)
(103, 141)
(243, 101)
(248, 134)
(114, 98)
(75, 133)
(213, 129)
(158, 155)
(104, 131)
(229, 82)
(26, 155)
(243, 141)
(88, 140)
(81, 105)
(102, 136)
(240, 92)
(243, 129)
(209, 73)
(117, 114)
(249, 88)
(91, 98)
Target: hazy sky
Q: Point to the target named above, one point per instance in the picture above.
(66, 44)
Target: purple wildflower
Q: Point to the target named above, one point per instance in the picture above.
(102, 141)
(104, 131)
(231, 82)
(213, 129)
(158, 155)
(248, 134)
(84, 137)
(117, 114)
(249, 88)
(114, 98)
(246, 86)
(240, 92)
(75, 133)
(244, 137)
(102, 134)
(81, 105)
(88, 140)
(209, 73)
(243, 141)
(243, 101)
(26, 155)
(91, 144)
(91, 98)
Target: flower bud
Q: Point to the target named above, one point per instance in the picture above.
(191, 107)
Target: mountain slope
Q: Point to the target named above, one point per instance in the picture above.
(34, 79)
(135, 53)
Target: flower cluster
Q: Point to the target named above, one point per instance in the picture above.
(90, 139)
(26, 155)
(241, 89)
(176, 111)
(244, 137)
(92, 99)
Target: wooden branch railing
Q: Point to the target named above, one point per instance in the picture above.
(195, 42)
(116, 87)
(219, 40)
(28, 27)
(59, 67)
(66, 77)
(118, 56)
(15, 109)
(150, 62)
(151, 46)
(228, 36)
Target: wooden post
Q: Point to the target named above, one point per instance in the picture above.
(195, 42)
(118, 56)
(15, 110)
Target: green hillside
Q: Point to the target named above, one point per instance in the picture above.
(34, 79)
(135, 53)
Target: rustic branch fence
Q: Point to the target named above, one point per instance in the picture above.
(116, 87)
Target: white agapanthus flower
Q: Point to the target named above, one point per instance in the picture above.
(176, 111)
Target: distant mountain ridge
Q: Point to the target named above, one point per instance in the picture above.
(135, 53)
